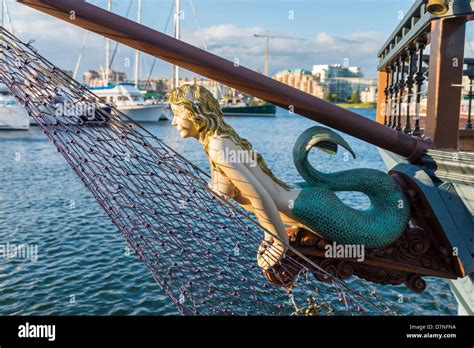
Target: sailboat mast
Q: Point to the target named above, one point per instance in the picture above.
(6, 12)
(177, 36)
(107, 50)
(267, 44)
(137, 52)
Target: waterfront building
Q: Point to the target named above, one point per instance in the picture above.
(325, 72)
(154, 85)
(97, 78)
(219, 90)
(344, 87)
(301, 79)
(342, 82)
(369, 95)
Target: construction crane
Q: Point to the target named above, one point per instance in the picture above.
(267, 37)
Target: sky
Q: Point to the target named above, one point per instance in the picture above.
(322, 31)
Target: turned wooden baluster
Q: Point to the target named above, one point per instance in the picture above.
(395, 92)
(410, 83)
(386, 92)
(392, 91)
(419, 78)
(401, 89)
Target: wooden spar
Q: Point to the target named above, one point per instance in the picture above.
(157, 44)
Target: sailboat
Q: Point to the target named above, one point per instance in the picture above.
(177, 34)
(13, 116)
(126, 97)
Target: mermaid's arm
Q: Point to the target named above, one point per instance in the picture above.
(221, 184)
(263, 205)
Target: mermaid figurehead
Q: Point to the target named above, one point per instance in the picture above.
(312, 205)
(197, 114)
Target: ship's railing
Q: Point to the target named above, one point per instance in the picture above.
(422, 91)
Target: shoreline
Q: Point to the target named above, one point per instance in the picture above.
(357, 105)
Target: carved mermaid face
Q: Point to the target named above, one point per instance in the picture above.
(183, 124)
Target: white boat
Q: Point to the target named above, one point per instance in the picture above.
(128, 99)
(13, 116)
(125, 96)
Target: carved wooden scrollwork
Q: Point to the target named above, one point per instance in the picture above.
(419, 252)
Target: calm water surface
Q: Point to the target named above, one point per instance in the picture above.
(83, 266)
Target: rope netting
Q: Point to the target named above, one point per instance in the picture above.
(199, 247)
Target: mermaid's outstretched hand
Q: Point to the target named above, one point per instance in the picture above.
(270, 252)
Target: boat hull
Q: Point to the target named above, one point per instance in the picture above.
(142, 114)
(459, 171)
(267, 110)
(145, 113)
(14, 117)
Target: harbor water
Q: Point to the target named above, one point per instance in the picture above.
(79, 263)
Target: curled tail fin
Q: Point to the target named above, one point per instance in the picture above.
(322, 138)
(320, 209)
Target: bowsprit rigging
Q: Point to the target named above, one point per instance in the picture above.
(199, 247)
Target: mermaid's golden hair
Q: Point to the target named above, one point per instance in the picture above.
(205, 112)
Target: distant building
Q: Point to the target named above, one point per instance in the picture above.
(301, 79)
(154, 85)
(369, 95)
(218, 90)
(341, 82)
(97, 78)
(325, 72)
(344, 87)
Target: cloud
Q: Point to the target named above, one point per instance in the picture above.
(55, 39)
(30, 22)
(61, 43)
(49, 29)
(325, 39)
(230, 41)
